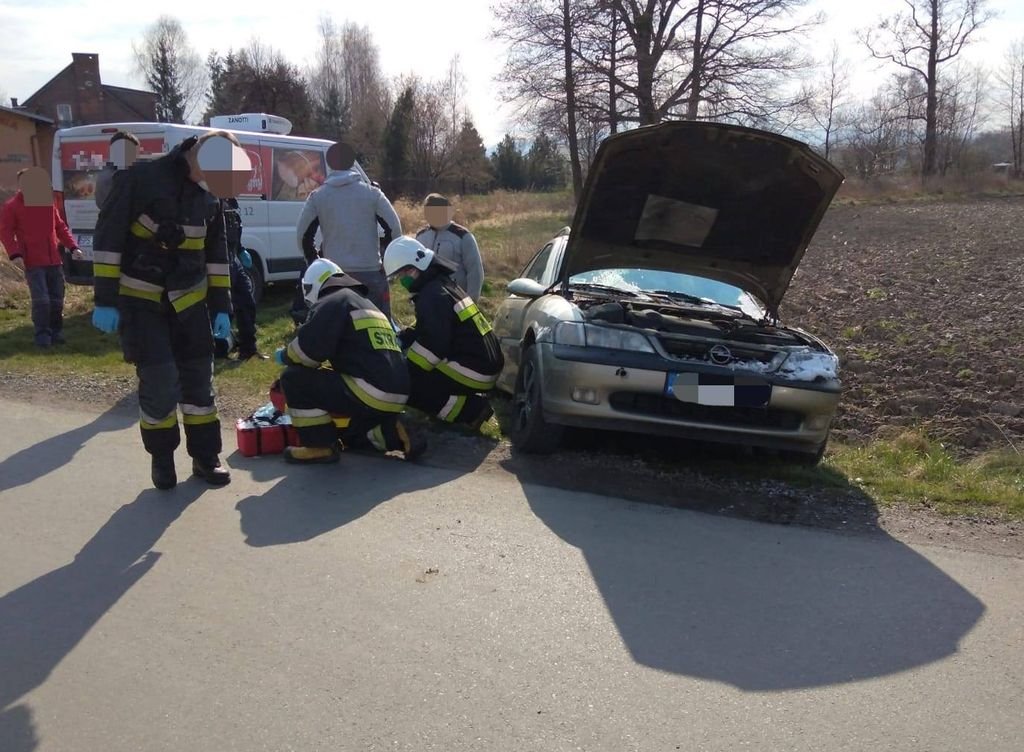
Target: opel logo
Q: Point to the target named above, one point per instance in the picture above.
(720, 355)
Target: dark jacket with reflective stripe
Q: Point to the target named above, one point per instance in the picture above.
(348, 331)
(450, 327)
(160, 236)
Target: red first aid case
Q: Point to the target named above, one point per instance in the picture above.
(256, 438)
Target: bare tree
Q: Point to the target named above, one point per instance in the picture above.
(541, 72)
(721, 58)
(828, 99)
(1011, 80)
(172, 69)
(875, 143)
(920, 38)
(960, 113)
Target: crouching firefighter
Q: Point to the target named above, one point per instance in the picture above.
(366, 381)
(160, 260)
(453, 356)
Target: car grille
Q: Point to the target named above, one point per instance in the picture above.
(689, 349)
(668, 407)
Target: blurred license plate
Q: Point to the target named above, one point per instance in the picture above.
(718, 390)
(85, 243)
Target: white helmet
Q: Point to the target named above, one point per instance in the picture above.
(316, 274)
(402, 252)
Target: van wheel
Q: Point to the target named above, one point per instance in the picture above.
(256, 275)
(530, 433)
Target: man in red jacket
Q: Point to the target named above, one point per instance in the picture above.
(30, 227)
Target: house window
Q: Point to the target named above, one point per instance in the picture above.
(64, 114)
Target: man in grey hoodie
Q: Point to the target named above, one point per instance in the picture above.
(347, 210)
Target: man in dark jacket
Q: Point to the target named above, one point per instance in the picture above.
(124, 150)
(367, 380)
(160, 260)
(30, 228)
(243, 298)
(453, 355)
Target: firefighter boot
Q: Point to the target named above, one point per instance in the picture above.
(301, 455)
(164, 476)
(413, 443)
(210, 470)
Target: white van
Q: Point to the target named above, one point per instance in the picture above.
(285, 170)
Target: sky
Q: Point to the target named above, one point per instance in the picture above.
(38, 37)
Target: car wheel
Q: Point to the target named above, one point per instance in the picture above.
(530, 432)
(255, 273)
(807, 459)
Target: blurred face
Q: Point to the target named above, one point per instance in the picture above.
(123, 153)
(438, 216)
(224, 166)
(34, 185)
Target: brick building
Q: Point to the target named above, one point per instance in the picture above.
(77, 96)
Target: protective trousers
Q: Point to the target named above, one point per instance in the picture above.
(313, 395)
(173, 357)
(245, 306)
(46, 289)
(436, 394)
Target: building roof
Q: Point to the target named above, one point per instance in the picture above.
(139, 101)
(26, 114)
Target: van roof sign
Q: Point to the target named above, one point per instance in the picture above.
(257, 122)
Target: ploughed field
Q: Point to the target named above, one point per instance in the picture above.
(922, 302)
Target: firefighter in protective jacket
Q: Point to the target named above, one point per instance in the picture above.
(160, 260)
(366, 382)
(453, 355)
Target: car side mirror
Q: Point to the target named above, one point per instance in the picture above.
(526, 288)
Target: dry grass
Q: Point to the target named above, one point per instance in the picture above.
(905, 187)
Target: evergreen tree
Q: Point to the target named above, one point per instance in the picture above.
(396, 160)
(544, 165)
(172, 69)
(509, 165)
(472, 168)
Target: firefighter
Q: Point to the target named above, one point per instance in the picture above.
(453, 356)
(160, 261)
(367, 379)
(242, 292)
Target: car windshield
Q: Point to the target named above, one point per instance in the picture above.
(650, 280)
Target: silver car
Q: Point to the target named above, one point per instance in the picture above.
(657, 311)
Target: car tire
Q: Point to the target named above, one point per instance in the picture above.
(807, 459)
(255, 273)
(530, 433)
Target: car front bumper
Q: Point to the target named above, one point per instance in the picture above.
(626, 391)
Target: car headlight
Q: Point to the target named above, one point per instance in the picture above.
(588, 335)
(809, 365)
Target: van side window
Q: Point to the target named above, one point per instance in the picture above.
(297, 173)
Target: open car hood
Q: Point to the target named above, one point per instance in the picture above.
(719, 201)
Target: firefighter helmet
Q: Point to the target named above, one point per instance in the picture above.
(316, 274)
(402, 252)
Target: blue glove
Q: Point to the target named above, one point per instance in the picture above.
(245, 258)
(106, 319)
(279, 356)
(221, 326)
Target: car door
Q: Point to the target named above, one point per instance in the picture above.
(508, 323)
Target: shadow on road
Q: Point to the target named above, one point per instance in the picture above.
(53, 453)
(42, 621)
(307, 502)
(761, 607)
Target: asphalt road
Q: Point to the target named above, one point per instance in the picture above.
(377, 605)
